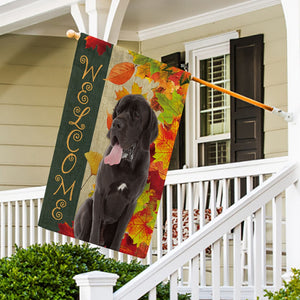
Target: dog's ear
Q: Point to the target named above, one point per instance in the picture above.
(152, 131)
(114, 114)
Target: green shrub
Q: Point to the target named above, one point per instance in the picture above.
(47, 271)
(290, 291)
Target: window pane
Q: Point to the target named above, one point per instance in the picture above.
(214, 153)
(214, 105)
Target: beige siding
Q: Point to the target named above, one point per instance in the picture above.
(35, 71)
(34, 75)
(270, 22)
(33, 79)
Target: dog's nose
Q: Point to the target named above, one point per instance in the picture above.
(118, 124)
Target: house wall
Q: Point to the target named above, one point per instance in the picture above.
(35, 70)
(271, 23)
(34, 75)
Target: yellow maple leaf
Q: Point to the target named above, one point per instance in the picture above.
(143, 71)
(121, 93)
(94, 159)
(139, 227)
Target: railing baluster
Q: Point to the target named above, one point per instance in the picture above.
(173, 286)
(32, 222)
(2, 224)
(202, 199)
(249, 233)
(213, 199)
(237, 276)
(9, 228)
(277, 241)
(169, 217)
(263, 240)
(190, 208)
(216, 277)
(258, 287)
(179, 231)
(159, 231)
(17, 223)
(24, 224)
(224, 204)
(48, 237)
(194, 282)
(152, 294)
(40, 230)
(148, 257)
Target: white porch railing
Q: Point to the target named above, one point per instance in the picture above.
(191, 250)
(187, 192)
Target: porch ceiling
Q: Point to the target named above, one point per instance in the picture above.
(143, 19)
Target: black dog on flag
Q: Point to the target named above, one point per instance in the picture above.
(122, 174)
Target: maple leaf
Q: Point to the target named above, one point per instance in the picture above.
(140, 59)
(94, 43)
(139, 227)
(109, 120)
(176, 76)
(94, 159)
(171, 108)
(144, 198)
(121, 93)
(143, 71)
(182, 90)
(121, 73)
(66, 229)
(164, 142)
(136, 89)
(128, 247)
(160, 168)
(185, 78)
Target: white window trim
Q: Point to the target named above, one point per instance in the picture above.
(195, 50)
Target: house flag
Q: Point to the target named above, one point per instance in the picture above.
(119, 124)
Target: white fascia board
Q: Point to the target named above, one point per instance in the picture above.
(206, 18)
(33, 13)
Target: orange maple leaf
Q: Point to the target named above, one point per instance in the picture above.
(140, 226)
(109, 120)
(164, 142)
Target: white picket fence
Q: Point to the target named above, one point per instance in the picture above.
(229, 268)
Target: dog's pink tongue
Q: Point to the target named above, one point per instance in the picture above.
(115, 155)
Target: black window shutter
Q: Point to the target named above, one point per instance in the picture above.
(246, 77)
(178, 156)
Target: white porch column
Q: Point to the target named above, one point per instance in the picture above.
(105, 18)
(292, 18)
(96, 285)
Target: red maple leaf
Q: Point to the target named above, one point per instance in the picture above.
(176, 76)
(128, 247)
(94, 43)
(66, 229)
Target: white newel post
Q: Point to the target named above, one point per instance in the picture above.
(292, 18)
(96, 285)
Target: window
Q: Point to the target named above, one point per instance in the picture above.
(208, 110)
(214, 112)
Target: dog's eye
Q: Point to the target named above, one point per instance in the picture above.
(136, 115)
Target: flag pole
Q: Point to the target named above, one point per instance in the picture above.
(287, 116)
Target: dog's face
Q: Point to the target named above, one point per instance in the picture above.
(134, 122)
